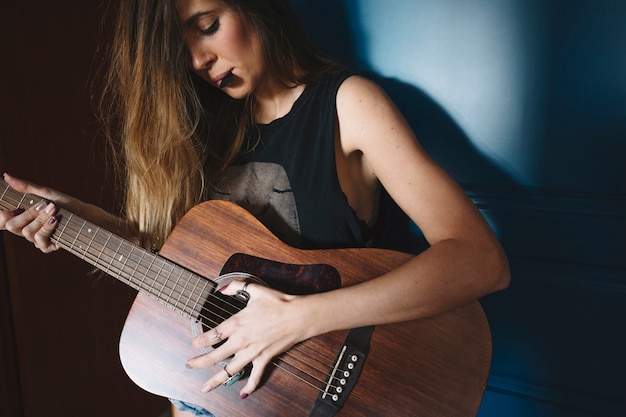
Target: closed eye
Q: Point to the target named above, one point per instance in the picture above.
(211, 29)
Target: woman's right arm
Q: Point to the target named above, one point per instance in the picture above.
(37, 223)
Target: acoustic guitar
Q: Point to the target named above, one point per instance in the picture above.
(436, 366)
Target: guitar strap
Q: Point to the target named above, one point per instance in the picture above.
(344, 375)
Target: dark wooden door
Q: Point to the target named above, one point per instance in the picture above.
(60, 324)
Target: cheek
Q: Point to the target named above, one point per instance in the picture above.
(237, 43)
(238, 39)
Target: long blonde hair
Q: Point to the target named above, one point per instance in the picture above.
(172, 134)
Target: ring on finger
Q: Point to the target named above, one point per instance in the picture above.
(242, 294)
(217, 336)
(231, 378)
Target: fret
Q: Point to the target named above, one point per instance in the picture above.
(123, 260)
(180, 294)
(137, 265)
(189, 298)
(164, 281)
(76, 238)
(93, 236)
(89, 244)
(6, 188)
(154, 280)
(173, 287)
(62, 230)
(177, 282)
(205, 291)
(104, 246)
(21, 200)
(136, 272)
(129, 280)
(114, 257)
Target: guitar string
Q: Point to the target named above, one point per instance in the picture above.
(18, 203)
(288, 353)
(121, 274)
(66, 244)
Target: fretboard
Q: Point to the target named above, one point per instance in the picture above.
(131, 264)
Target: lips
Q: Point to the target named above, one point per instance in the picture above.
(226, 81)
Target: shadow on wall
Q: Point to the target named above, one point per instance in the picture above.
(555, 345)
(331, 29)
(440, 135)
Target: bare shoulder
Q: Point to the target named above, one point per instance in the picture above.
(358, 93)
(367, 116)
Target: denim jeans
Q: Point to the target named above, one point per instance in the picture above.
(191, 408)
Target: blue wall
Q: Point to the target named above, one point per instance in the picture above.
(524, 103)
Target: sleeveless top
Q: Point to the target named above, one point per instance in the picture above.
(288, 179)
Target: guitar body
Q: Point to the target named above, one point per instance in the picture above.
(431, 367)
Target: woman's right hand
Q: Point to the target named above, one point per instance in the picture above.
(37, 223)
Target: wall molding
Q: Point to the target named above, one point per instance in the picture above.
(580, 403)
(554, 330)
(571, 274)
(581, 228)
(541, 200)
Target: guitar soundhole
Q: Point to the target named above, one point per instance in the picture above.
(218, 308)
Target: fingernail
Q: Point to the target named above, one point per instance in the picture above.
(52, 220)
(188, 366)
(206, 388)
(49, 208)
(16, 212)
(42, 204)
(243, 396)
(222, 288)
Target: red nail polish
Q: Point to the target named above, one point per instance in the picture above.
(222, 288)
(243, 396)
(16, 212)
(52, 220)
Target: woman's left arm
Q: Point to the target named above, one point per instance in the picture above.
(464, 262)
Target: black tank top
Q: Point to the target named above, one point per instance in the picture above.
(288, 179)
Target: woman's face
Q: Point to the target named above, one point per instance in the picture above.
(223, 50)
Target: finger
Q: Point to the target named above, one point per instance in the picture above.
(27, 187)
(254, 380)
(39, 216)
(22, 219)
(5, 216)
(212, 358)
(202, 361)
(239, 288)
(210, 338)
(229, 374)
(42, 237)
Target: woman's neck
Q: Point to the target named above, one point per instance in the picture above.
(275, 101)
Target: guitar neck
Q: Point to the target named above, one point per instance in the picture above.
(129, 263)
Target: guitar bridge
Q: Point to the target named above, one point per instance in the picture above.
(344, 374)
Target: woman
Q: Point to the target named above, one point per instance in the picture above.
(227, 99)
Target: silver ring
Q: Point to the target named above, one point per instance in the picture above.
(228, 375)
(242, 294)
(217, 336)
(231, 378)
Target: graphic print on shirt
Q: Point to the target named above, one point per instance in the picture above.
(264, 190)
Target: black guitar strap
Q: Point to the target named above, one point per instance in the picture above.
(345, 373)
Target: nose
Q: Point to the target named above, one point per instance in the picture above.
(200, 60)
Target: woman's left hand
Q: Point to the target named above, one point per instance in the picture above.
(269, 325)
